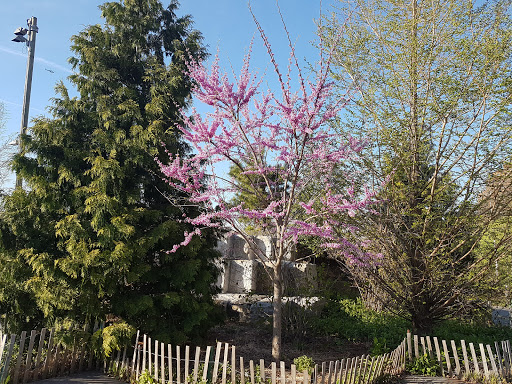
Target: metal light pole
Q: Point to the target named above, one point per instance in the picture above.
(31, 44)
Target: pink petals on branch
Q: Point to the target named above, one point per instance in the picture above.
(282, 144)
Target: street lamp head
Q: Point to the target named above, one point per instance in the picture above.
(20, 31)
(19, 39)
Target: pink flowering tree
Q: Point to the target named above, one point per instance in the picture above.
(282, 145)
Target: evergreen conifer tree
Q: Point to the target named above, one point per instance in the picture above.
(94, 224)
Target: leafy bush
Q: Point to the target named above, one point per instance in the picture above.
(379, 347)
(471, 332)
(304, 363)
(146, 378)
(349, 319)
(423, 365)
(112, 338)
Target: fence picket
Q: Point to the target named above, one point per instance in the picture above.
(329, 374)
(251, 371)
(3, 341)
(54, 366)
(371, 376)
(187, 364)
(348, 371)
(178, 364)
(447, 357)
(19, 358)
(509, 356)
(484, 360)
(283, 373)
(262, 370)
(491, 359)
(28, 362)
(206, 363)
(498, 356)
(409, 345)
(156, 361)
(323, 373)
(305, 377)
(242, 371)
(196, 364)
(293, 372)
(49, 355)
(359, 370)
(474, 358)
(465, 355)
(456, 359)
(354, 370)
(5, 369)
(339, 378)
(169, 361)
(381, 365)
(336, 369)
(362, 373)
(438, 355)
(423, 347)
(150, 361)
(274, 375)
(429, 346)
(138, 350)
(144, 349)
(162, 362)
(233, 364)
(416, 348)
(225, 363)
(124, 360)
(135, 348)
(506, 361)
(216, 364)
(378, 362)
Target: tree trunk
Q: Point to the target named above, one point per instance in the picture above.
(277, 311)
(422, 322)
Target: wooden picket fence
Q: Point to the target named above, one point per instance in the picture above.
(456, 360)
(47, 353)
(169, 364)
(43, 354)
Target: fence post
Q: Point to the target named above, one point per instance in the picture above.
(7, 361)
(409, 345)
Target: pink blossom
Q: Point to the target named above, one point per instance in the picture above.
(280, 140)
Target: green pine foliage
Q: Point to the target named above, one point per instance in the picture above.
(93, 226)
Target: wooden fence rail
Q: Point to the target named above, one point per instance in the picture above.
(456, 360)
(169, 364)
(43, 354)
(48, 353)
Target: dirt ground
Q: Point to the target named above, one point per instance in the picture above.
(253, 342)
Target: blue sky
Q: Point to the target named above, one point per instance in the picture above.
(226, 25)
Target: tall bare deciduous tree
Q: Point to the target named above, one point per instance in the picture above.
(432, 94)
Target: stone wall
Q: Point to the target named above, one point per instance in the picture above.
(243, 272)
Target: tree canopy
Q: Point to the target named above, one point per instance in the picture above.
(431, 88)
(94, 225)
(278, 143)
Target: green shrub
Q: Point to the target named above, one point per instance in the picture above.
(424, 365)
(379, 346)
(146, 378)
(112, 338)
(349, 319)
(304, 363)
(471, 332)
